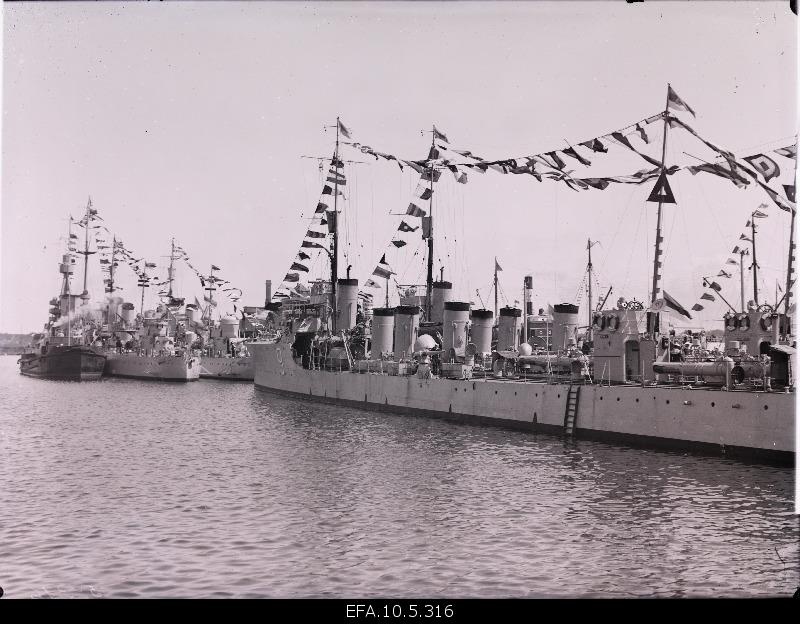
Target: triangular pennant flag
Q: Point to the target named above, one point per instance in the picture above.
(676, 103)
(595, 145)
(708, 297)
(697, 307)
(574, 154)
(345, 132)
(399, 243)
(439, 135)
(383, 260)
(405, 227)
(661, 191)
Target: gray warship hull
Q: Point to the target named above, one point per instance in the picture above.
(740, 423)
(154, 367)
(230, 368)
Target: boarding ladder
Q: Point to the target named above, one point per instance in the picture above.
(571, 411)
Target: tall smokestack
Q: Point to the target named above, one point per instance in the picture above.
(268, 294)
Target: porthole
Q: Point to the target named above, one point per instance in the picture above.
(667, 401)
(637, 400)
(559, 396)
(617, 398)
(601, 398)
(495, 391)
(712, 403)
(766, 407)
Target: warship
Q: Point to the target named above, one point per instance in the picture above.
(65, 351)
(154, 345)
(224, 353)
(628, 378)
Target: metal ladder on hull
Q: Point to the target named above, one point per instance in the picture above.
(571, 411)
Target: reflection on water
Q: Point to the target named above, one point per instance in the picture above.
(127, 488)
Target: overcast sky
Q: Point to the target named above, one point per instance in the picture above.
(191, 120)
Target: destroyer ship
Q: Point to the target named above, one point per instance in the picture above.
(156, 345)
(224, 351)
(633, 379)
(64, 351)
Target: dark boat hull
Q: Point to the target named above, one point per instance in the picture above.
(78, 363)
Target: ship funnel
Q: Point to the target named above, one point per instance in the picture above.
(481, 331)
(455, 318)
(406, 327)
(565, 326)
(382, 332)
(508, 329)
(346, 303)
(127, 313)
(440, 294)
(229, 327)
(268, 294)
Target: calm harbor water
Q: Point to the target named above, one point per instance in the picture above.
(142, 489)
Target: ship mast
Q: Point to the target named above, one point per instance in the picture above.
(110, 289)
(589, 272)
(659, 238)
(210, 288)
(497, 320)
(429, 276)
(742, 254)
(335, 238)
(65, 290)
(790, 268)
(86, 253)
(754, 266)
(171, 268)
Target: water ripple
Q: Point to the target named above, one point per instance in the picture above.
(138, 489)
